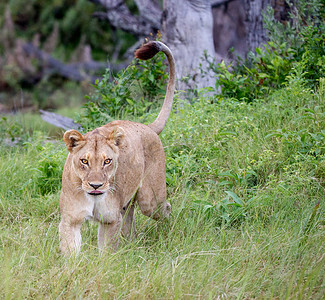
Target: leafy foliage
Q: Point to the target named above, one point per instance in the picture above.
(49, 167)
(133, 91)
(299, 44)
(75, 25)
(229, 210)
(263, 71)
(10, 129)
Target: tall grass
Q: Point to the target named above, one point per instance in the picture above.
(243, 180)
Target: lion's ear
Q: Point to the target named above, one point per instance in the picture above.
(116, 136)
(72, 139)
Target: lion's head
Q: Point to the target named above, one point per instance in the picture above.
(94, 159)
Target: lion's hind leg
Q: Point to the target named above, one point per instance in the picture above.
(151, 198)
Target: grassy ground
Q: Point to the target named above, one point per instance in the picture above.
(243, 181)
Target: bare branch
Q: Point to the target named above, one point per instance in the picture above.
(52, 65)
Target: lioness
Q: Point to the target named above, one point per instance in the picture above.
(113, 167)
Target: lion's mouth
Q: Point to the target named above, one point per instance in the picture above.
(95, 193)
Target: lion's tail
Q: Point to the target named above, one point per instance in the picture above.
(148, 51)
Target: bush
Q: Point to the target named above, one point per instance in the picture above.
(134, 91)
(50, 168)
(11, 129)
(296, 44)
(46, 171)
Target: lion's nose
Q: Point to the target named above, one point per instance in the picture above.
(95, 185)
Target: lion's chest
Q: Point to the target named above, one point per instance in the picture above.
(102, 210)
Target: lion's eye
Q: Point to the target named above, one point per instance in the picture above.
(107, 161)
(84, 161)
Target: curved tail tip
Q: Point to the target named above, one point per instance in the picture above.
(147, 51)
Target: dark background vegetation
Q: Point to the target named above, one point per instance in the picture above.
(80, 36)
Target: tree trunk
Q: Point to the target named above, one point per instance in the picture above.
(187, 30)
(254, 22)
(229, 30)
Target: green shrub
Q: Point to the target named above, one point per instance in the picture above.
(313, 57)
(49, 167)
(133, 91)
(305, 33)
(11, 129)
(298, 44)
(45, 172)
(254, 78)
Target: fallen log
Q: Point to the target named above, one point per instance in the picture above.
(59, 121)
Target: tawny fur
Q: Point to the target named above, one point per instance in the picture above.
(112, 168)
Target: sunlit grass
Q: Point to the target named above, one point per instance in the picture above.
(262, 252)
